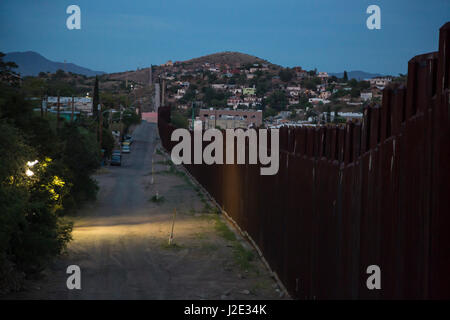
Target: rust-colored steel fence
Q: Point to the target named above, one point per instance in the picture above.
(346, 197)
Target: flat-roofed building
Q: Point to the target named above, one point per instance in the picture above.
(229, 119)
(83, 104)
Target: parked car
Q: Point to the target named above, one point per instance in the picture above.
(128, 138)
(126, 143)
(126, 149)
(116, 160)
(116, 152)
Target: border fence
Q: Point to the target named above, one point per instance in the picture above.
(347, 197)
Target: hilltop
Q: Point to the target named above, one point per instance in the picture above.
(227, 57)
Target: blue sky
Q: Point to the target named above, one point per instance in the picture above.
(124, 35)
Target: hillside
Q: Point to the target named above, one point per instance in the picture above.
(227, 57)
(31, 63)
(140, 75)
(233, 59)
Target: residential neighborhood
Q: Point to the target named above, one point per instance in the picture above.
(284, 96)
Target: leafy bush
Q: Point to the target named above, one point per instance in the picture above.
(179, 120)
(31, 231)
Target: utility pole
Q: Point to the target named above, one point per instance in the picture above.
(193, 117)
(121, 125)
(73, 107)
(42, 107)
(46, 105)
(163, 91)
(57, 113)
(100, 124)
(150, 76)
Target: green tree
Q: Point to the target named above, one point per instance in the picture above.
(81, 154)
(107, 142)
(312, 83)
(277, 100)
(269, 112)
(286, 75)
(353, 83)
(31, 232)
(108, 99)
(6, 67)
(35, 87)
(130, 117)
(189, 96)
(345, 78)
(59, 74)
(179, 120)
(355, 92)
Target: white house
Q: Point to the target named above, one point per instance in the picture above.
(365, 96)
(380, 81)
(318, 100)
(219, 86)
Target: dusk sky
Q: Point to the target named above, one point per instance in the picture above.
(328, 35)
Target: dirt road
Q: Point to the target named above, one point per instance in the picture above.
(120, 242)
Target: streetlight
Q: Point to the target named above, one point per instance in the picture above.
(30, 164)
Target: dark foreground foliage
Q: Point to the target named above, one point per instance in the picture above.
(44, 174)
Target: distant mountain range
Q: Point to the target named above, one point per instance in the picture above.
(358, 75)
(31, 63)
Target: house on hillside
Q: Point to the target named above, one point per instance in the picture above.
(323, 75)
(219, 86)
(234, 101)
(249, 91)
(380, 82)
(235, 91)
(325, 95)
(292, 88)
(366, 95)
(318, 100)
